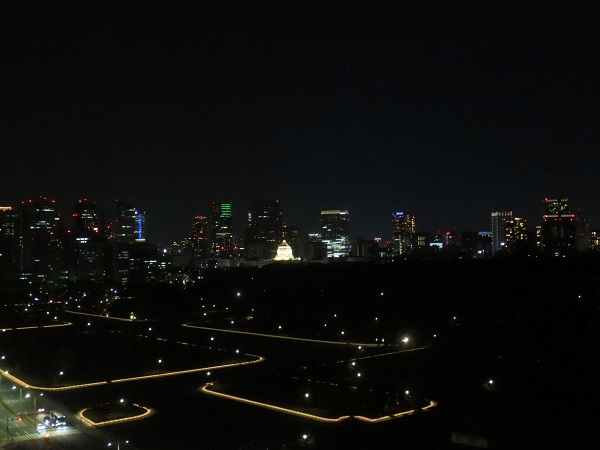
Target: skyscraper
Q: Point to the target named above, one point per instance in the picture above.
(334, 232)
(38, 220)
(221, 230)
(126, 228)
(499, 219)
(403, 231)
(200, 242)
(563, 233)
(556, 205)
(264, 229)
(89, 218)
(517, 235)
(9, 241)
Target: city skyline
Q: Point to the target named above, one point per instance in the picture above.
(446, 111)
(240, 218)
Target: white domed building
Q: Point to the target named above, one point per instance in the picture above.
(284, 252)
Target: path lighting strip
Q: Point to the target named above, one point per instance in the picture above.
(317, 341)
(147, 412)
(124, 380)
(206, 390)
(103, 317)
(66, 324)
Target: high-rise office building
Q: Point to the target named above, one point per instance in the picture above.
(200, 242)
(403, 231)
(595, 240)
(264, 229)
(334, 232)
(38, 220)
(517, 235)
(9, 242)
(221, 230)
(89, 218)
(564, 233)
(499, 219)
(127, 228)
(556, 205)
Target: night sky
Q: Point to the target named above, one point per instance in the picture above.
(446, 110)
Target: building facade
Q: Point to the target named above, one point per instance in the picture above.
(334, 232)
(403, 232)
(264, 230)
(221, 230)
(499, 220)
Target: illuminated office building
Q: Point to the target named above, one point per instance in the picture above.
(499, 219)
(556, 206)
(517, 235)
(564, 233)
(334, 232)
(9, 241)
(403, 232)
(200, 242)
(39, 220)
(595, 240)
(89, 219)
(221, 230)
(130, 223)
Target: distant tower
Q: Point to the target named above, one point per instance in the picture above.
(9, 241)
(403, 232)
(141, 227)
(556, 205)
(89, 218)
(264, 229)
(517, 235)
(200, 242)
(127, 226)
(334, 232)
(564, 233)
(499, 219)
(39, 220)
(221, 230)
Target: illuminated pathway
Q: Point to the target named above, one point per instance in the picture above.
(103, 317)
(147, 412)
(124, 380)
(289, 338)
(275, 336)
(37, 327)
(206, 390)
